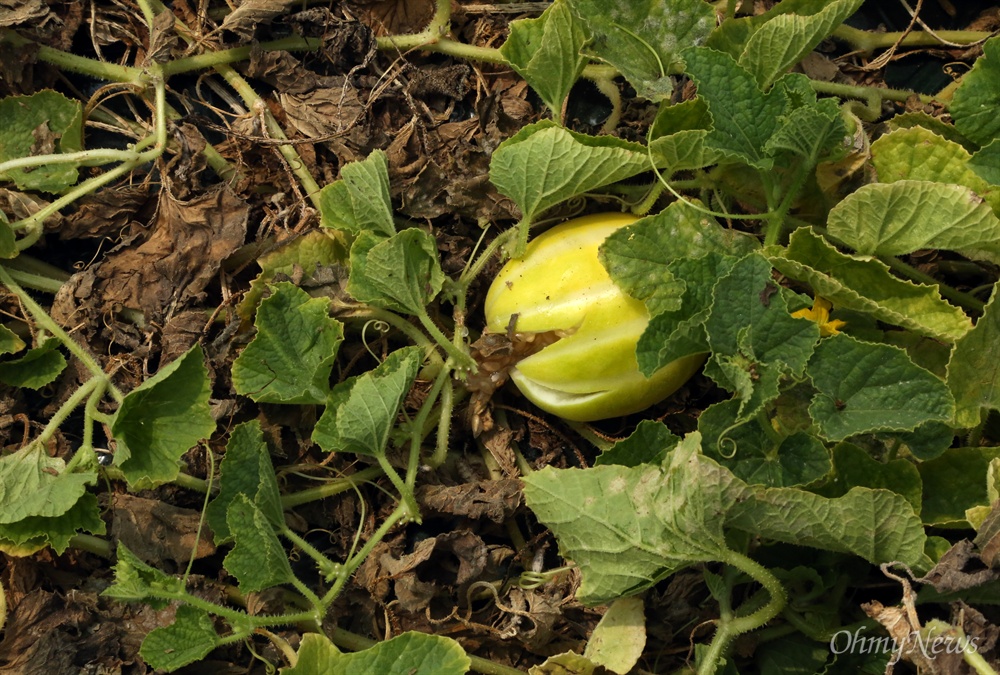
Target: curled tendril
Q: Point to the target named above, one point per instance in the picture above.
(729, 442)
(379, 325)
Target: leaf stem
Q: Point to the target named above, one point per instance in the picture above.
(463, 360)
(475, 268)
(401, 513)
(331, 488)
(417, 425)
(72, 403)
(77, 64)
(730, 628)
(866, 41)
(236, 54)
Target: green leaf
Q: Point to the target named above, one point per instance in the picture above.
(135, 581)
(986, 163)
(813, 132)
(619, 637)
(920, 154)
(927, 441)
(546, 53)
(642, 39)
(629, 527)
(877, 525)
(290, 358)
(744, 117)
(258, 560)
(359, 201)
(974, 370)
(853, 467)
(648, 444)
(974, 106)
(188, 639)
(544, 164)
(411, 653)
(753, 453)
(34, 484)
(674, 282)
(901, 217)
(163, 418)
(754, 339)
(316, 655)
(246, 470)
(733, 34)
(637, 260)
(865, 387)
(44, 119)
(954, 483)
(38, 367)
(10, 343)
(784, 40)
(57, 531)
(361, 411)
(866, 285)
(401, 273)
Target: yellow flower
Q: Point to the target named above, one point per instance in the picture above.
(820, 313)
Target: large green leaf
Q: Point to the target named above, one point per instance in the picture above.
(921, 154)
(36, 532)
(629, 527)
(546, 53)
(643, 38)
(401, 273)
(785, 39)
(44, 119)
(34, 484)
(974, 369)
(865, 387)
(544, 164)
(411, 653)
(743, 116)
(676, 281)
(974, 106)
(361, 412)
(754, 339)
(290, 358)
(866, 285)
(901, 217)
(163, 418)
